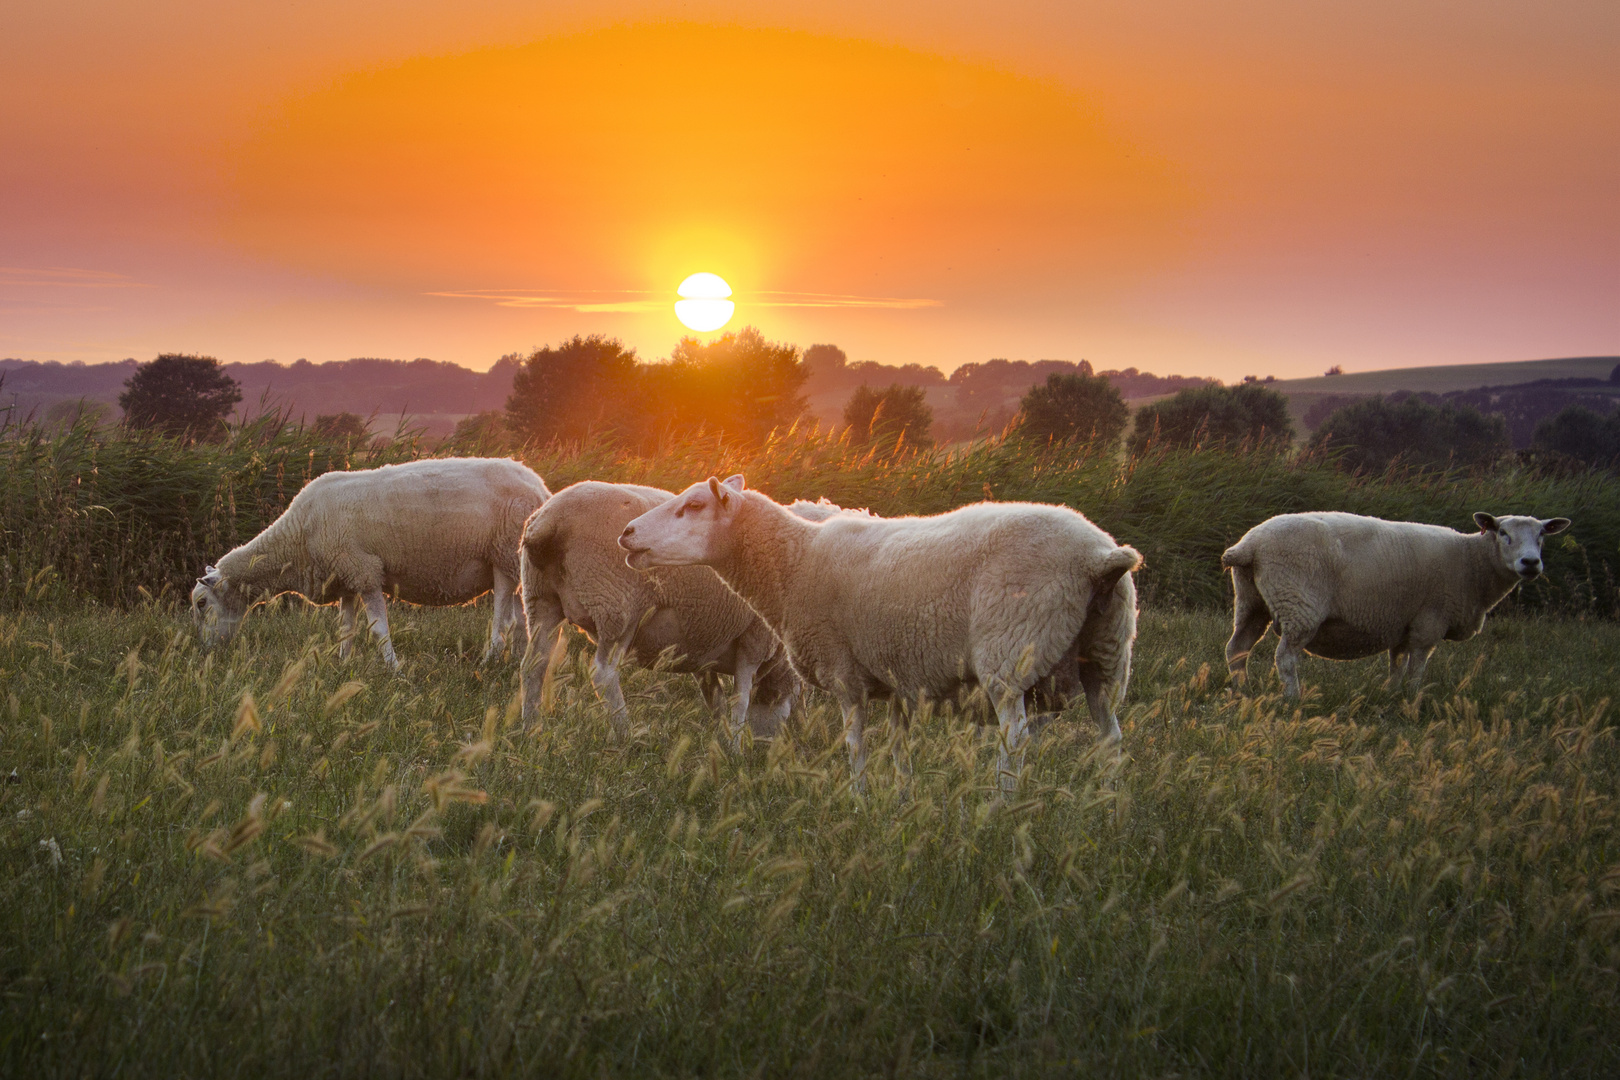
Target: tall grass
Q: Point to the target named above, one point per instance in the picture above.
(109, 517)
(270, 862)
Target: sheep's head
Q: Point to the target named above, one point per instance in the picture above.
(216, 608)
(1518, 540)
(688, 529)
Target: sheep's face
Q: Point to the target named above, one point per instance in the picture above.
(1518, 540)
(216, 608)
(687, 530)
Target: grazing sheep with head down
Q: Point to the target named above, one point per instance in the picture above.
(439, 532)
(1004, 596)
(573, 570)
(1342, 586)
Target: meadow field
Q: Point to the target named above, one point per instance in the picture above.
(266, 861)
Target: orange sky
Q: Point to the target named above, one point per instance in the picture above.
(1268, 187)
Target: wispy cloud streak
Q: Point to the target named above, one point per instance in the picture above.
(66, 277)
(642, 301)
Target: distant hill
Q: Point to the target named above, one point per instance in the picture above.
(434, 395)
(1524, 391)
(429, 394)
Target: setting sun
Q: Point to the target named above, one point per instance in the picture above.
(704, 305)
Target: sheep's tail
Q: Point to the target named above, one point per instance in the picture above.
(1237, 555)
(1115, 565)
(541, 540)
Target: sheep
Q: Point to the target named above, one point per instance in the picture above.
(439, 532)
(573, 570)
(1343, 586)
(1004, 596)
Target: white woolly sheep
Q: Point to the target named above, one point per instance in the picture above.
(1004, 596)
(439, 532)
(573, 569)
(1342, 586)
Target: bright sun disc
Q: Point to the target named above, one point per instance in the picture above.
(703, 305)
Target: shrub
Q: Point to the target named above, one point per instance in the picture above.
(1582, 434)
(340, 427)
(1372, 435)
(185, 396)
(898, 415)
(1215, 416)
(739, 383)
(1078, 407)
(583, 387)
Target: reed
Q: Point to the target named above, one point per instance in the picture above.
(96, 516)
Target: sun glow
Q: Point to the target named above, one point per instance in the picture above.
(704, 305)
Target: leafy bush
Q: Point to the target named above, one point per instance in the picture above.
(183, 396)
(585, 386)
(342, 426)
(1077, 407)
(1227, 417)
(898, 415)
(1372, 434)
(1582, 434)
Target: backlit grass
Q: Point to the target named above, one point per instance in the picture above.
(267, 862)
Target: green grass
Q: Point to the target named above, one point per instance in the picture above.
(406, 882)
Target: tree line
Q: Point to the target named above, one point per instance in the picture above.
(743, 386)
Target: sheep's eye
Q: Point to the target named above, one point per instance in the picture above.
(694, 506)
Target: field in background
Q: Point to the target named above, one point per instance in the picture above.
(360, 873)
(83, 517)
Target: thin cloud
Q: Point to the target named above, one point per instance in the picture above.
(624, 302)
(67, 277)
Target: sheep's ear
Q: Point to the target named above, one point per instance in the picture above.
(1554, 525)
(723, 497)
(1485, 522)
(735, 483)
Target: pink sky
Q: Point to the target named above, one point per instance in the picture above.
(1261, 187)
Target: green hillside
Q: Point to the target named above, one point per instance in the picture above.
(1452, 377)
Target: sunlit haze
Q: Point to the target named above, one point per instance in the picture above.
(1263, 187)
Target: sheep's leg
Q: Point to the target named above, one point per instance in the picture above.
(713, 691)
(1288, 653)
(377, 612)
(900, 746)
(1100, 701)
(1397, 666)
(739, 708)
(506, 608)
(1417, 660)
(1250, 620)
(1014, 722)
(348, 607)
(605, 677)
(543, 616)
(854, 738)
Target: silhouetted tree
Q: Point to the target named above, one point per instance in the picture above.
(739, 383)
(585, 386)
(1249, 414)
(1080, 407)
(824, 361)
(898, 415)
(185, 396)
(1372, 434)
(1582, 434)
(340, 426)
